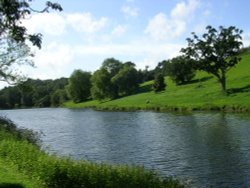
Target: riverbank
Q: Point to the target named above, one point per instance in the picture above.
(203, 93)
(22, 157)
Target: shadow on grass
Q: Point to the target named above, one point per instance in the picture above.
(204, 79)
(144, 89)
(11, 185)
(239, 90)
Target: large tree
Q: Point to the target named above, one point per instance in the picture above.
(79, 85)
(101, 85)
(14, 50)
(216, 51)
(180, 70)
(126, 80)
(12, 55)
(12, 12)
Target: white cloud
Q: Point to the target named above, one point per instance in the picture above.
(52, 60)
(119, 30)
(246, 39)
(49, 23)
(184, 10)
(164, 27)
(55, 24)
(148, 53)
(85, 22)
(160, 27)
(130, 11)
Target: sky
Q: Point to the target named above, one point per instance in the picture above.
(144, 32)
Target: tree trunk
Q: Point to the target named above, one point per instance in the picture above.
(223, 82)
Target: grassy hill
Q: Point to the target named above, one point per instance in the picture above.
(203, 93)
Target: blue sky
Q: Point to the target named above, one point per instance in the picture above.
(142, 31)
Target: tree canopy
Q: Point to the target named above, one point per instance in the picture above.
(14, 49)
(12, 12)
(79, 85)
(180, 70)
(216, 51)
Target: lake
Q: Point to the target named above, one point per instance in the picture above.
(206, 149)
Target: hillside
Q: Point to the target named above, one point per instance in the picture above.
(203, 93)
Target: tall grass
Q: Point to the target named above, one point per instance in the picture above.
(55, 172)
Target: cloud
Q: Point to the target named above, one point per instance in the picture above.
(52, 60)
(246, 39)
(55, 25)
(160, 27)
(184, 10)
(49, 23)
(130, 11)
(167, 27)
(119, 30)
(85, 22)
(142, 50)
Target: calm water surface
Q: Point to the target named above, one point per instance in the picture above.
(207, 149)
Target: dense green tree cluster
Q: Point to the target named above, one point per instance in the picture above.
(114, 79)
(34, 93)
(79, 86)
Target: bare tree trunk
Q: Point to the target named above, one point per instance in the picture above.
(223, 82)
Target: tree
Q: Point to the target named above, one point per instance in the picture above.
(12, 12)
(79, 85)
(12, 55)
(58, 97)
(161, 68)
(126, 80)
(101, 85)
(159, 84)
(112, 66)
(216, 52)
(13, 37)
(180, 70)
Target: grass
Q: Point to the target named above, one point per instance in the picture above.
(24, 164)
(203, 93)
(10, 177)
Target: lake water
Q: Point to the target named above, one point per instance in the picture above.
(207, 149)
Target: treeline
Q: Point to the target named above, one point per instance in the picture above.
(112, 80)
(34, 93)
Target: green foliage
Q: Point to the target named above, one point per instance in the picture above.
(12, 12)
(79, 86)
(59, 97)
(159, 84)
(216, 52)
(56, 172)
(180, 70)
(203, 93)
(32, 93)
(13, 55)
(114, 79)
(162, 67)
(101, 85)
(126, 80)
(112, 66)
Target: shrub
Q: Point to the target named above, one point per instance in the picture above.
(159, 84)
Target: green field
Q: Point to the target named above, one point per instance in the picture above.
(203, 93)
